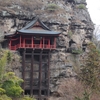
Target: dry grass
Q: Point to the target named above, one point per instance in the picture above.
(37, 7)
(29, 5)
(26, 4)
(70, 88)
(6, 9)
(95, 96)
(5, 3)
(14, 6)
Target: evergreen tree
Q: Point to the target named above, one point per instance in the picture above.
(90, 71)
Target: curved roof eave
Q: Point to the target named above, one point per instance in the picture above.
(39, 32)
(10, 35)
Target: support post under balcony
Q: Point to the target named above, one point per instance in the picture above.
(23, 69)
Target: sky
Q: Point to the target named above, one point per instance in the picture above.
(94, 10)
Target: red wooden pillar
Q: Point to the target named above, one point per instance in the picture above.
(10, 45)
(43, 42)
(32, 42)
(20, 41)
(55, 42)
(24, 42)
(49, 43)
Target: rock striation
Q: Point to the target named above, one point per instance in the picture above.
(68, 16)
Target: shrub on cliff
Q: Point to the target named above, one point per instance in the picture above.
(5, 57)
(9, 57)
(81, 6)
(27, 98)
(11, 84)
(5, 97)
(2, 91)
(86, 96)
(52, 7)
(3, 61)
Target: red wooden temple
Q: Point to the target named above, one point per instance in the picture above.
(34, 35)
(34, 42)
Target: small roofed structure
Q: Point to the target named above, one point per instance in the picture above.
(34, 35)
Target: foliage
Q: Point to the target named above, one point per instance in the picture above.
(27, 98)
(86, 96)
(3, 61)
(5, 97)
(90, 71)
(9, 83)
(81, 6)
(12, 85)
(70, 34)
(9, 57)
(52, 7)
(77, 51)
(2, 91)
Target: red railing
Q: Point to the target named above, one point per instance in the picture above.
(37, 46)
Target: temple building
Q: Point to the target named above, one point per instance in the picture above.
(35, 43)
(34, 35)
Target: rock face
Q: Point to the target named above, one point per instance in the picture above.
(68, 16)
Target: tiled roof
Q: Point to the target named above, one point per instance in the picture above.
(45, 30)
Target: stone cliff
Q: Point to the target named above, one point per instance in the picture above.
(68, 16)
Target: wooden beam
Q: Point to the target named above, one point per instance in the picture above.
(35, 54)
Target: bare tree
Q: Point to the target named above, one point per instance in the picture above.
(96, 36)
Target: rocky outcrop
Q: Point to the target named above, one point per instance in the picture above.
(68, 16)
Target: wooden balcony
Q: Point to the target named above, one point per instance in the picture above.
(32, 42)
(30, 46)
